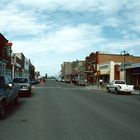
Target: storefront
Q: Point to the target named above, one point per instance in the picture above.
(2, 68)
(133, 74)
(109, 71)
(5, 55)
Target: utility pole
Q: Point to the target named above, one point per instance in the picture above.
(13, 63)
(98, 75)
(124, 53)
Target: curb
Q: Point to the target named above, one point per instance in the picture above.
(135, 92)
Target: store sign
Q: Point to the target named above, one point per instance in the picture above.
(98, 73)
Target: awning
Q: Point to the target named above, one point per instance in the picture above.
(104, 72)
(9, 44)
(88, 71)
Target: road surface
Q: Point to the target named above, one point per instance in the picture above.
(60, 111)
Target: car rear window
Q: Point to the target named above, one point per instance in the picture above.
(119, 82)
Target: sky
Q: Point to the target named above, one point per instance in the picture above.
(50, 32)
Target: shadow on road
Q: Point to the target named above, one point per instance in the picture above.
(12, 109)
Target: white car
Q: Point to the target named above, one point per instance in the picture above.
(81, 81)
(118, 86)
(25, 85)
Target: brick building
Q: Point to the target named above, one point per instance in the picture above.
(109, 62)
(5, 55)
(15, 64)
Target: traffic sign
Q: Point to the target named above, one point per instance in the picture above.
(98, 73)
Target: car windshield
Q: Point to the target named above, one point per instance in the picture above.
(20, 80)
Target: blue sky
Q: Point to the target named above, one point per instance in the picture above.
(50, 32)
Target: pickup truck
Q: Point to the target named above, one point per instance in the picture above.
(8, 94)
(118, 86)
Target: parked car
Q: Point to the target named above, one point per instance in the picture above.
(25, 85)
(8, 94)
(58, 79)
(80, 81)
(34, 82)
(118, 86)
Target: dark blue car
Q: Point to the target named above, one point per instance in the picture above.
(8, 94)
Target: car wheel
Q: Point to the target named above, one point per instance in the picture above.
(16, 100)
(116, 91)
(129, 93)
(29, 93)
(108, 90)
(3, 109)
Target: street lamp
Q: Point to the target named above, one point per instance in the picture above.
(124, 53)
(13, 63)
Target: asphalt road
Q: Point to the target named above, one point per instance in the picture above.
(60, 111)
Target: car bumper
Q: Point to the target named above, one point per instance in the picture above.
(24, 89)
(126, 90)
(25, 92)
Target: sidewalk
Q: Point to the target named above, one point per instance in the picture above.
(103, 88)
(136, 92)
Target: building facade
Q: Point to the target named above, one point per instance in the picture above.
(109, 71)
(23, 66)
(66, 70)
(78, 70)
(71, 70)
(133, 74)
(5, 55)
(98, 62)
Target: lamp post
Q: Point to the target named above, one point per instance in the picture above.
(13, 62)
(124, 53)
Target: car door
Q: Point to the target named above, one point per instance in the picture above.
(8, 89)
(2, 86)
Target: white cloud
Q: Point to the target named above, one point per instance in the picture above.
(19, 22)
(44, 35)
(112, 22)
(107, 6)
(69, 39)
(64, 40)
(118, 46)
